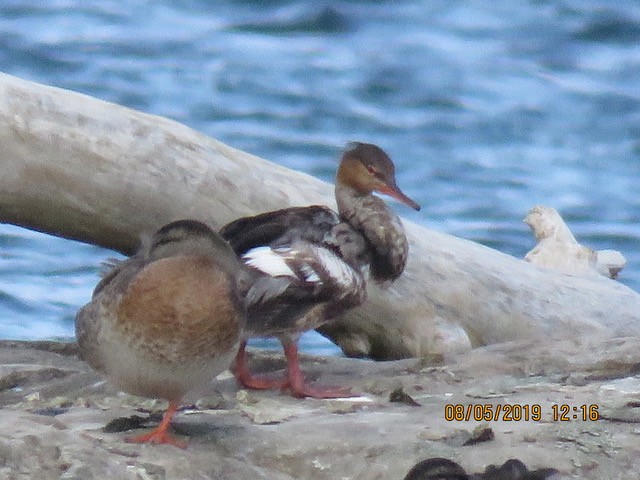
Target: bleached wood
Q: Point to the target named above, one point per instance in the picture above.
(558, 249)
(89, 170)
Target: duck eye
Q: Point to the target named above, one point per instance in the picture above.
(373, 171)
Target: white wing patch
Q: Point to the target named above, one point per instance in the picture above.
(299, 258)
(268, 261)
(338, 269)
(310, 275)
(276, 262)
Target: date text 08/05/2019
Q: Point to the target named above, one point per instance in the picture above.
(517, 412)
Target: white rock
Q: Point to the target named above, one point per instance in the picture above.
(558, 249)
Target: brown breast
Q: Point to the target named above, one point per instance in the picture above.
(180, 308)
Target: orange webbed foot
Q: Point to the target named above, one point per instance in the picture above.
(160, 434)
(295, 382)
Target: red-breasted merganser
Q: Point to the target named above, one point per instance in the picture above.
(320, 257)
(168, 319)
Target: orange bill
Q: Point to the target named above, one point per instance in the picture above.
(395, 192)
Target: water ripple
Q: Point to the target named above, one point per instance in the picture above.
(326, 20)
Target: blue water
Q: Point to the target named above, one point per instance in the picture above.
(488, 108)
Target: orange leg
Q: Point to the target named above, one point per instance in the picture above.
(246, 379)
(295, 380)
(161, 433)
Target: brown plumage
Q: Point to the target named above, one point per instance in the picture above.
(321, 258)
(168, 319)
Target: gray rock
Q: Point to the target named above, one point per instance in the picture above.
(267, 435)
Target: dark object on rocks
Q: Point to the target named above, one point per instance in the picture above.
(513, 469)
(50, 411)
(124, 424)
(400, 396)
(480, 434)
(437, 469)
(443, 469)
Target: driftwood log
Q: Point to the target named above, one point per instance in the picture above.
(88, 170)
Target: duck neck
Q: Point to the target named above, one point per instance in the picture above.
(350, 201)
(379, 225)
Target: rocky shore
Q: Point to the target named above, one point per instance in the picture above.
(55, 409)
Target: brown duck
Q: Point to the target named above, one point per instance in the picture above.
(168, 319)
